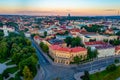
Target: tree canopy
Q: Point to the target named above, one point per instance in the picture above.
(91, 53)
(19, 49)
(27, 74)
(44, 47)
(73, 42)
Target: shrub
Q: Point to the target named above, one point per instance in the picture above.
(1, 77)
(116, 60)
(11, 78)
(111, 67)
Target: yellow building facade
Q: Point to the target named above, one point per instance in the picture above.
(65, 55)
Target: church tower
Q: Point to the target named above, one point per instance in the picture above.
(5, 30)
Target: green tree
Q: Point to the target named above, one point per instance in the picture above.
(28, 42)
(86, 75)
(73, 43)
(105, 40)
(66, 33)
(3, 49)
(1, 24)
(77, 59)
(41, 44)
(118, 33)
(115, 42)
(117, 61)
(91, 53)
(1, 33)
(16, 58)
(19, 49)
(45, 48)
(111, 67)
(13, 24)
(68, 40)
(27, 74)
(93, 28)
(26, 29)
(45, 33)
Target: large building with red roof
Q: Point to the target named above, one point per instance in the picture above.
(65, 55)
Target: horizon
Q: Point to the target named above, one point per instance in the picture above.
(54, 7)
(60, 15)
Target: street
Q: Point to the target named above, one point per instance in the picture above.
(51, 72)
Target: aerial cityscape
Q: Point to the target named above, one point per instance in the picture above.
(59, 39)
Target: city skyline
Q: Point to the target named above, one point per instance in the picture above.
(61, 7)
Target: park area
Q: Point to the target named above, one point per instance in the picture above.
(106, 75)
(8, 70)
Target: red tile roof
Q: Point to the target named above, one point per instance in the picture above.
(59, 48)
(117, 48)
(94, 43)
(110, 30)
(75, 30)
(77, 49)
(36, 37)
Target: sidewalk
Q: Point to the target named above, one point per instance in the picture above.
(79, 74)
(39, 75)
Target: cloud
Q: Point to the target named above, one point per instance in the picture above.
(34, 12)
(43, 12)
(110, 10)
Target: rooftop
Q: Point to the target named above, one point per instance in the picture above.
(76, 49)
(99, 44)
(117, 47)
(95, 43)
(55, 41)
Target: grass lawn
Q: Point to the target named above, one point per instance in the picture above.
(1, 78)
(12, 78)
(105, 75)
(17, 76)
(10, 63)
(11, 70)
(3, 60)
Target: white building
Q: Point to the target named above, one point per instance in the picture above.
(87, 36)
(5, 30)
(27, 34)
(104, 49)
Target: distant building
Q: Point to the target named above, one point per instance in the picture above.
(37, 39)
(109, 31)
(69, 15)
(27, 34)
(5, 30)
(117, 50)
(87, 36)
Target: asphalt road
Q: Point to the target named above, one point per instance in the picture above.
(67, 73)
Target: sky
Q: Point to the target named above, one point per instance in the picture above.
(60, 7)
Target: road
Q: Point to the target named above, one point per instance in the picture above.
(67, 73)
(51, 71)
